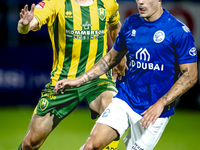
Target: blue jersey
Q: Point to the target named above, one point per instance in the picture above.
(155, 50)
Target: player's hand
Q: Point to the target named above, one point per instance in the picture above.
(26, 16)
(151, 114)
(66, 84)
(119, 70)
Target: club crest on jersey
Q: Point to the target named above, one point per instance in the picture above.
(43, 104)
(102, 13)
(159, 36)
(40, 5)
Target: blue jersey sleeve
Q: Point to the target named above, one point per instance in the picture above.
(185, 46)
(120, 42)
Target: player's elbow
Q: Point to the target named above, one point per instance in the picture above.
(194, 77)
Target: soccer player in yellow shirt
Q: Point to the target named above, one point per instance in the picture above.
(78, 30)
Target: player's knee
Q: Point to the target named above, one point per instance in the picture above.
(93, 145)
(88, 146)
(97, 146)
(30, 145)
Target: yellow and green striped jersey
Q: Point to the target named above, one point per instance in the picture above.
(78, 34)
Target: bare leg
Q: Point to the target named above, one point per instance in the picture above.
(100, 136)
(39, 129)
(102, 101)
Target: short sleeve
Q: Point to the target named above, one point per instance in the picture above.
(45, 12)
(113, 13)
(120, 42)
(185, 46)
(114, 19)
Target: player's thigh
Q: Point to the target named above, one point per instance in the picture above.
(100, 103)
(97, 94)
(115, 116)
(102, 135)
(154, 132)
(142, 138)
(61, 105)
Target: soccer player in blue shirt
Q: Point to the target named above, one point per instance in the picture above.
(162, 61)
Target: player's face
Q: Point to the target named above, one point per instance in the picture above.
(149, 9)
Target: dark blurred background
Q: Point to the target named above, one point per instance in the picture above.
(25, 60)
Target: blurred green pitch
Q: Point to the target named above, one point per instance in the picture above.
(182, 132)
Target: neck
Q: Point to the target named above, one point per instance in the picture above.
(155, 15)
(84, 2)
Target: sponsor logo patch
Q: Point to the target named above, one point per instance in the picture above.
(86, 26)
(186, 29)
(193, 51)
(40, 5)
(133, 32)
(137, 147)
(143, 61)
(68, 14)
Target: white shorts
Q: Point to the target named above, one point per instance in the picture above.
(120, 116)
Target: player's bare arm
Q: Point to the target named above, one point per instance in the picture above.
(119, 69)
(99, 68)
(111, 59)
(114, 30)
(183, 84)
(27, 20)
(107, 62)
